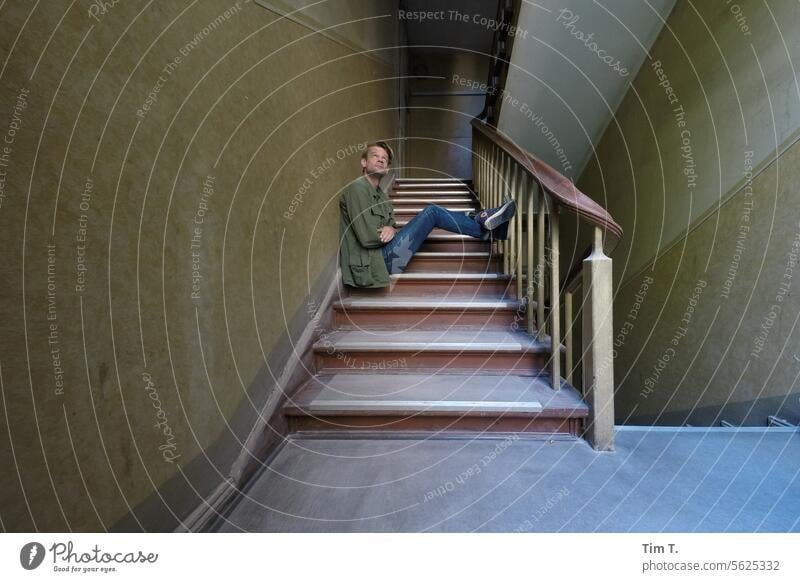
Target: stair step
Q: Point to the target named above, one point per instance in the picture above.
(412, 181)
(431, 194)
(453, 350)
(411, 190)
(427, 312)
(398, 202)
(419, 208)
(476, 402)
(428, 407)
(443, 241)
(454, 262)
(483, 285)
(401, 222)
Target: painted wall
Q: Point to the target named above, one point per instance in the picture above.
(441, 107)
(168, 210)
(700, 169)
(572, 63)
(366, 25)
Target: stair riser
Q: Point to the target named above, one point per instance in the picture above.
(430, 186)
(406, 215)
(477, 424)
(456, 246)
(401, 222)
(431, 192)
(406, 288)
(424, 318)
(416, 201)
(399, 361)
(432, 195)
(453, 265)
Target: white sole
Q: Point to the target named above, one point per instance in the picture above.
(489, 223)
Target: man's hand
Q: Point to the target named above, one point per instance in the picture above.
(386, 233)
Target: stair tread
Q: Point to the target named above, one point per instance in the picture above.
(460, 276)
(448, 254)
(429, 197)
(431, 185)
(433, 192)
(430, 188)
(454, 237)
(462, 340)
(441, 234)
(426, 302)
(436, 394)
(465, 208)
(439, 201)
(411, 180)
(425, 407)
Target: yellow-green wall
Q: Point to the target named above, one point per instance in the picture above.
(275, 115)
(699, 167)
(440, 110)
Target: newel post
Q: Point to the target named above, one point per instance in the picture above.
(598, 360)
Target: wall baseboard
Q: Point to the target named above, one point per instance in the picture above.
(206, 513)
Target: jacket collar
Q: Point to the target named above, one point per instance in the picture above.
(376, 189)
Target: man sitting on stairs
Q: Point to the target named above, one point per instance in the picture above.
(372, 247)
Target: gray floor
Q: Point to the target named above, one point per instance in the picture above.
(709, 480)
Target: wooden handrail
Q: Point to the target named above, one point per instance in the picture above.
(563, 191)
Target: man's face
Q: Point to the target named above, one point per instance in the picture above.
(377, 161)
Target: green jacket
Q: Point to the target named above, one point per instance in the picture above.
(363, 211)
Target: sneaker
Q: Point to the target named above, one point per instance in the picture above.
(499, 233)
(494, 217)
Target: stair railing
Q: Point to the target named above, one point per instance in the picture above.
(503, 170)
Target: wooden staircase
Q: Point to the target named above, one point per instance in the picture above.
(442, 350)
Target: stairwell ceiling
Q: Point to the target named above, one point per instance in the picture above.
(566, 92)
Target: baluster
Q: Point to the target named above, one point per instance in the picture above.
(500, 179)
(568, 324)
(476, 181)
(484, 172)
(555, 300)
(539, 273)
(474, 159)
(477, 184)
(520, 189)
(504, 192)
(497, 169)
(493, 181)
(482, 185)
(533, 196)
(512, 227)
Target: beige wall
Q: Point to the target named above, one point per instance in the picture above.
(440, 110)
(87, 451)
(717, 102)
(559, 94)
(371, 23)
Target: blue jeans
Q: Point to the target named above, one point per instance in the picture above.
(398, 252)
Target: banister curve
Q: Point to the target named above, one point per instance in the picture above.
(560, 188)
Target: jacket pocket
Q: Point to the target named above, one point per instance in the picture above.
(382, 211)
(362, 275)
